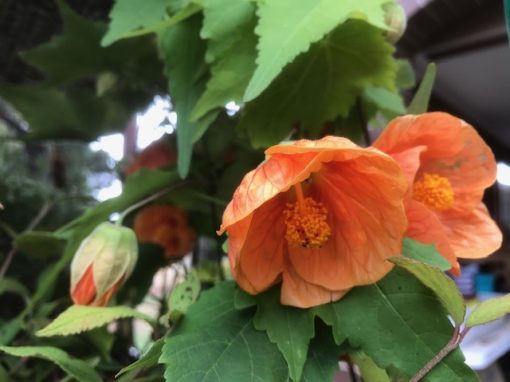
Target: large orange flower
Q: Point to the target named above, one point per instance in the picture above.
(449, 166)
(320, 216)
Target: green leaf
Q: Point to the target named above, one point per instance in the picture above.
(8, 285)
(39, 244)
(405, 75)
(443, 286)
(4, 376)
(75, 368)
(323, 354)
(130, 18)
(243, 300)
(80, 318)
(77, 51)
(399, 322)
(489, 310)
(216, 342)
(289, 328)
(184, 56)
(321, 84)
(424, 253)
(420, 102)
(223, 19)
(369, 370)
(287, 29)
(232, 46)
(149, 359)
(54, 114)
(9, 330)
(74, 53)
(384, 99)
(183, 296)
(101, 340)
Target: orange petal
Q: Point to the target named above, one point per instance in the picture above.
(438, 131)
(425, 227)
(328, 143)
(297, 292)
(256, 246)
(409, 161)
(85, 290)
(105, 298)
(453, 150)
(470, 170)
(474, 235)
(277, 174)
(287, 165)
(367, 219)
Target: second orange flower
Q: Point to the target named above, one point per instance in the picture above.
(448, 166)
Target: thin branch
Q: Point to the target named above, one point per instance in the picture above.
(142, 202)
(451, 345)
(35, 221)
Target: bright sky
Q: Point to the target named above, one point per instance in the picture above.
(157, 120)
(153, 123)
(503, 174)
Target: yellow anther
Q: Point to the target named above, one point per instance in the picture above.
(306, 222)
(435, 191)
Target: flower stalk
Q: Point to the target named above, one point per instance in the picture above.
(456, 339)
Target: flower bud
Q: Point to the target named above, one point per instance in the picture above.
(395, 19)
(102, 263)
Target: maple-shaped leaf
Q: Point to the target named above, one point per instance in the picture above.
(131, 18)
(288, 28)
(77, 51)
(184, 66)
(321, 84)
(399, 323)
(231, 51)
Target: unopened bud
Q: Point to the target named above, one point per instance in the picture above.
(395, 19)
(102, 263)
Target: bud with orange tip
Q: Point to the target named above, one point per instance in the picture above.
(102, 263)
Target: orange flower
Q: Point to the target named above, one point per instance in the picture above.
(166, 226)
(320, 216)
(449, 166)
(153, 156)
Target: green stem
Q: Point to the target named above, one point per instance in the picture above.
(451, 345)
(35, 221)
(142, 202)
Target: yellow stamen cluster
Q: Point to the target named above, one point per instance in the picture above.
(435, 191)
(306, 222)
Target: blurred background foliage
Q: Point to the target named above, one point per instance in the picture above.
(238, 80)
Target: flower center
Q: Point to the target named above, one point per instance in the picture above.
(435, 191)
(306, 222)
